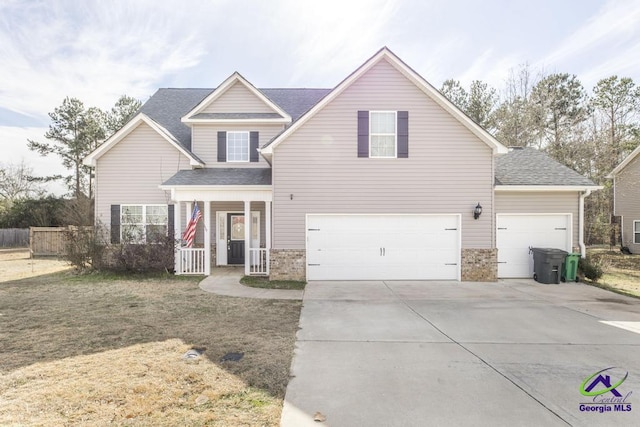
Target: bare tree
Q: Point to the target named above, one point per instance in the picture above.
(16, 182)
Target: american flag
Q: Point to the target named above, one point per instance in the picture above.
(189, 234)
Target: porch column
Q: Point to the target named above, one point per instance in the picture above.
(247, 237)
(207, 238)
(187, 214)
(267, 230)
(177, 231)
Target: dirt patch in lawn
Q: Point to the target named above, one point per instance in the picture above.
(17, 264)
(95, 350)
(621, 272)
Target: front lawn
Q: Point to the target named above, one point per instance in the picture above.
(621, 272)
(97, 349)
(265, 283)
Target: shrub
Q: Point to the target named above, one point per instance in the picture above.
(83, 248)
(591, 269)
(140, 257)
(86, 250)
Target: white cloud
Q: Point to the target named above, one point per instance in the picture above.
(13, 146)
(333, 37)
(615, 23)
(94, 51)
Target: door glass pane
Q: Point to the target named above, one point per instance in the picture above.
(237, 227)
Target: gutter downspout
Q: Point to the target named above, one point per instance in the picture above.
(583, 250)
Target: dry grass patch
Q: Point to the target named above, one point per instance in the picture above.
(17, 264)
(621, 272)
(145, 384)
(92, 350)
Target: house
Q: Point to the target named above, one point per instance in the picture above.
(380, 177)
(626, 203)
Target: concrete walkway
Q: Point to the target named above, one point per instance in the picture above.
(512, 353)
(226, 281)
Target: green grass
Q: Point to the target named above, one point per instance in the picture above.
(265, 283)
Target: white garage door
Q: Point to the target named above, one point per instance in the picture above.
(383, 247)
(517, 233)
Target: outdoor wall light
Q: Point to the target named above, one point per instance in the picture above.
(477, 211)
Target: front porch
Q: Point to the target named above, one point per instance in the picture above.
(235, 229)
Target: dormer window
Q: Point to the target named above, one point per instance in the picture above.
(237, 146)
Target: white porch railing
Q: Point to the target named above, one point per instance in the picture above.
(190, 260)
(259, 261)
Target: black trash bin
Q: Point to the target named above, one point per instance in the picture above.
(547, 264)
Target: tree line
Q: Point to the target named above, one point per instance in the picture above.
(590, 132)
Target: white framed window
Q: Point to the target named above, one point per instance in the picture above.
(636, 231)
(237, 146)
(143, 223)
(383, 134)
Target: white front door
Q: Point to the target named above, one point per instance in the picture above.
(383, 247)
(516, 233)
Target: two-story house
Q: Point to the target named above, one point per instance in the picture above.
(380, 178)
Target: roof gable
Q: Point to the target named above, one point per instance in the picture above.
(415, 78)
(139, 119)
(235, 86)
(624, 163)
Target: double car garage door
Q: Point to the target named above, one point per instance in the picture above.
(421, 247)
(383, 247)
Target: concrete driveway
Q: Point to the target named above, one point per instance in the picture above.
(446, 353)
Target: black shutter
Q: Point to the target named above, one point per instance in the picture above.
(115, 223)
(363, 134)
(254, 139)
(403, 134)
(222, 146)
(170, 221)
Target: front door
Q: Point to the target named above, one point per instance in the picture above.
(235, 238)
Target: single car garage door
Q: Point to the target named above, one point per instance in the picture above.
(518, 232)
(383, 247)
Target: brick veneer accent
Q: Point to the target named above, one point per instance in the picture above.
(287, 264)
(479, 265)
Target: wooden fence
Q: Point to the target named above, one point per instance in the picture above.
(14, 237)
(47, 241)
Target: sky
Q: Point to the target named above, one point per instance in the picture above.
(97, 50)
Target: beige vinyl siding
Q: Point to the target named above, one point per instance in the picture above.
(542, 203)
(316, 170)
(205, 142)
(238, 99)
(627, 201)
(131, 171)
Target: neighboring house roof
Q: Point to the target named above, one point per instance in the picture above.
(132, 124)
(220, 176)
(409, 73)
(530, 167)
(624, 163)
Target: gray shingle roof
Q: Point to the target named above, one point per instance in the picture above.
(167, 106)
(528, 166)
(221, 176)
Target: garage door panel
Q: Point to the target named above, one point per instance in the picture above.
(383, 247)
(517, 233)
